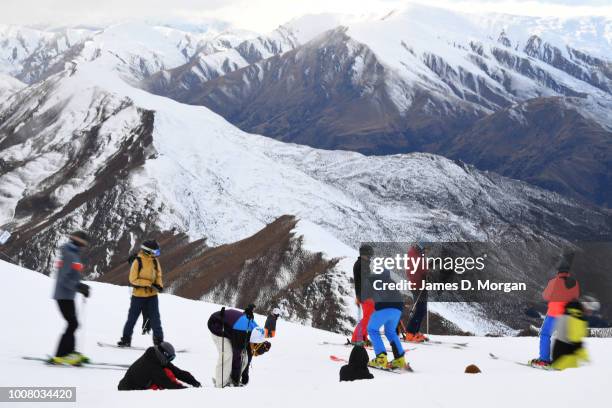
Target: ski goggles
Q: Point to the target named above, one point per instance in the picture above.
(154, 252)
(168, 356)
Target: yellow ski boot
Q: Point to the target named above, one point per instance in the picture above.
(380, 361)
(70, 359)
(399, 363)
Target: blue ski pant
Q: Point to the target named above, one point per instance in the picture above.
(389, 318)
(150, 305)
(546, 332)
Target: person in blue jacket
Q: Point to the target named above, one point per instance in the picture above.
(238, 338)
(68, 282)
(388, 306)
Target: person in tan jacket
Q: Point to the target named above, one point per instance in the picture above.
(147, 281)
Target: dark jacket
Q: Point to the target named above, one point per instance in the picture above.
(69, 269)
(418, 275)
(357, 278)
(148, 371)
(270, 324)
(357, 368)
(384, 299)
(235, 326)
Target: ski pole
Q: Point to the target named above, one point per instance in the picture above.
(359, 325)
(427, 309)
(83, 316)
(222, 346)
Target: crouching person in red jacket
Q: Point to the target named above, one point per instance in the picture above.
(154, 371)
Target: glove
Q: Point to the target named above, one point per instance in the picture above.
(159, 288)
(245, 378)
(83, 289)
(196, 383)
(146, 326)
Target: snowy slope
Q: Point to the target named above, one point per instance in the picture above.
(9, 85)
(310, 378)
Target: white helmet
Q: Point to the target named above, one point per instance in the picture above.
(258, 335)
(276, 311)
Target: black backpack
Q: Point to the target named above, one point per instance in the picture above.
(134, 257)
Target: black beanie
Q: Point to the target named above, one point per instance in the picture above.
(150, 244)
(81, 235)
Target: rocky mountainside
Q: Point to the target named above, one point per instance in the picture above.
(415, 81)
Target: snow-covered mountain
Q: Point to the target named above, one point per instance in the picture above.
(9, 85)
(140, 49)
(415, 80)
(181, 82)
(26, 53)
(85, 149)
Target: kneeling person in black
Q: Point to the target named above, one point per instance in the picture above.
(155, 371)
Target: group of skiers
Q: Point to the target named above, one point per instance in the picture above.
(380, 309)
(236, 334)
(383, 309)
(238, 338)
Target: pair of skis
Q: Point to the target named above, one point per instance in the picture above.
(102, 344)
(455, 345)
(406, 369)
(93, 364)
(521, 363)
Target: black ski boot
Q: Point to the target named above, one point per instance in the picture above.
(125, 342)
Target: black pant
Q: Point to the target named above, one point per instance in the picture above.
(150, 306)
(420, 310)
(66, 344)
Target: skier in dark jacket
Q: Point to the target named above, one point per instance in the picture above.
(68, 283)
(417, 275)
(357, 367)
(270, 325)
(362, 268)
(154, 371)
(238, 339)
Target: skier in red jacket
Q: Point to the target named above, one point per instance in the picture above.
(560, 290)
(417, 274)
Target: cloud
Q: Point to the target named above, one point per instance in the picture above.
(259, 15)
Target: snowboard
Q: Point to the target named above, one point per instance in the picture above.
(521, 363)
(102, 344)
(96, 365)
(407, 369)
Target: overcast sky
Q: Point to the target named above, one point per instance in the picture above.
(260, 15)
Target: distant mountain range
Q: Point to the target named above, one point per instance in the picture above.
(242, 217)
(427, 79)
